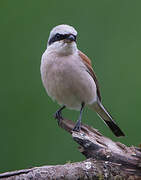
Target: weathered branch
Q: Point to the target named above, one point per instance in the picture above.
(107, 160)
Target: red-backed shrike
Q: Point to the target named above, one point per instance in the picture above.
(68, 77)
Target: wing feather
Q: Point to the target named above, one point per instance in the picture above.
(88, 64)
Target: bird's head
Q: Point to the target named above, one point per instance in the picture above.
(62, 39)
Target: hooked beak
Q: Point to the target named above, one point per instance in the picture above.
(70, 38)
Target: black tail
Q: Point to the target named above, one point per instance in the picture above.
(115, 129)
(105, 116)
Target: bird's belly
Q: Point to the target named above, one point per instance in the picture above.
(69, 84)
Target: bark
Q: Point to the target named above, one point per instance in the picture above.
(105, 159)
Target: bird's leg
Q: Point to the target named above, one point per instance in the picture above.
(58, 114)
(77, 126)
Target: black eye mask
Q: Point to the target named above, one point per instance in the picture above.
(59, 37)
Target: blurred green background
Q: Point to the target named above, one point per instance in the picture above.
(109, 32)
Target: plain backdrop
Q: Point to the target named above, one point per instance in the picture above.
(109, 32)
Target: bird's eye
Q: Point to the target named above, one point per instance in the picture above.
(57, 36)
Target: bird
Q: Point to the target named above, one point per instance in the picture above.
(69, 79)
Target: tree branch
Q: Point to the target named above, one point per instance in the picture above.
(107, 160)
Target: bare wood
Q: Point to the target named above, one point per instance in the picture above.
(107, 160)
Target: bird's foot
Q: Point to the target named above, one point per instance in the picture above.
(77, 126)
(58, 116)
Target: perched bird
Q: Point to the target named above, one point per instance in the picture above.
(68, 77)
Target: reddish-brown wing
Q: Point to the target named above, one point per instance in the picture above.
(88, 64)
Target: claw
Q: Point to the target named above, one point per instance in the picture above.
(58, 115)
(77, 127)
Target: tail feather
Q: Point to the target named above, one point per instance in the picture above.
(106, 117)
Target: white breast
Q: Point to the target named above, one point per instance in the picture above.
(66, 80)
